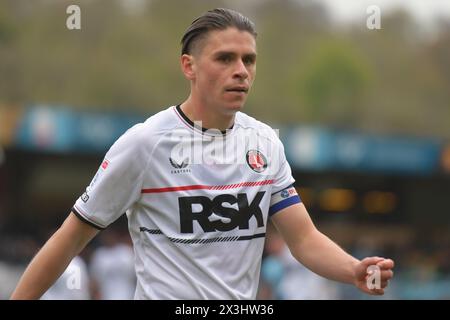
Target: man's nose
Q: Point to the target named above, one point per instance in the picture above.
(241, 70)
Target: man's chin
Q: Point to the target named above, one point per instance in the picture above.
(235, 107)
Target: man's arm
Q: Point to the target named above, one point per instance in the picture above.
(54, 257)
(324, 257)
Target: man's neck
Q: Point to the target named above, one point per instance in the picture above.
(210, 118)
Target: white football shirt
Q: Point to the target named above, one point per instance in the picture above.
(197, 203)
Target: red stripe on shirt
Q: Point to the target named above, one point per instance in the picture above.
(205, 187)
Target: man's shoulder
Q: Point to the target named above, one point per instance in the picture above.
(161, 121)
(145, 134)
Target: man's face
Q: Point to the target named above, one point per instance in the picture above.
(224, 67)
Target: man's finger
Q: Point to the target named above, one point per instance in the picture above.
(386, 264)
(376, 292)
(371, 261)
(386, 274)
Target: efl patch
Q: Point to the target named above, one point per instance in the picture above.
(85, 197)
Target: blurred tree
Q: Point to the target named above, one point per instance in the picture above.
(285, 30)
(126, 56)
(405, 84)
(7, 29)
(8, 38)
(334, 83)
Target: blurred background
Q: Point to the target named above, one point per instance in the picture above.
(364, 115)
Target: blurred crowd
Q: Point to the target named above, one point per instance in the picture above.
(422, 271)
(105, 270)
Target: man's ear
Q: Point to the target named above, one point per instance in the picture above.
(188, 66)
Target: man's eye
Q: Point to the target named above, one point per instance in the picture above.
(225, 59)
(249, 61)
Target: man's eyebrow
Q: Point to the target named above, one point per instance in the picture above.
(225, 53)
(250, 55)
(231, 53)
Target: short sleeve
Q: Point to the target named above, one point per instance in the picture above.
(283, 176)
(284, 193)
(117, 183)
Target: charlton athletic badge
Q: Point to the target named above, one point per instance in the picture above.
(256, 161)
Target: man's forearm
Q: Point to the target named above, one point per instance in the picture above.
(53, 258)
(44, 269)
(324, 257)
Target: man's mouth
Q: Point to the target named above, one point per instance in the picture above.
(237, 89)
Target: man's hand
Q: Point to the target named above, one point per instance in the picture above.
(372, 275)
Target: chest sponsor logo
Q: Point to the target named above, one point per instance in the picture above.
(225, 212)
